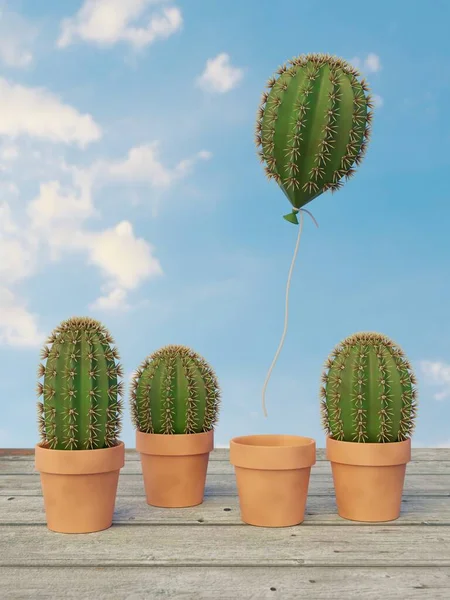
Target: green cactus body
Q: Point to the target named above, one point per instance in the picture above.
(82, 404)
(174, 391)
(313, 126)
(367, 392)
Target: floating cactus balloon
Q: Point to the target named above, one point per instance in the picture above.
(82, 404)
(368, 392)
(174, 391)
(313, 126)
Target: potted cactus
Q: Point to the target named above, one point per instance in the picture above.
(368, 402)
(79, 457)
(175, 401)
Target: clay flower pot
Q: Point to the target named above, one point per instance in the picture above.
(272, 476)
(368, 478)
(174, 467)
(79, 487)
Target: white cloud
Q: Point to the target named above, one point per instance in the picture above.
(7, 224)
(370, 64)
(18, 327)
(106, 22)
(114, 300)
(122, 257)
(8, 155)
(438, 374)
(378, 100)
(58, 216)
(38, 113)
(16, 259)
(124, 260)
(57, 207)
(16, 39)
(143, 164)
(8, 188)
(54, 224)
(185, 166)
(17, 250)
(9, 152)
(219, 75)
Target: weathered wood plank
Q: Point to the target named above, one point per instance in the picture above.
(320, 510)
(435, 454)
(245, 583)
(225, 485)
(358, 546)
(219, 467)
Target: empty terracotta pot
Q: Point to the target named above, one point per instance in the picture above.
(368, 478)
(272, 476)
(174, 467)
(79, 487)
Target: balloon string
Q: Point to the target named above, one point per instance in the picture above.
(286, 314)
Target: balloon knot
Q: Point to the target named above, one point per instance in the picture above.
(292, 216)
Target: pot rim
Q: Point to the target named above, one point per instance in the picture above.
(175, 444)
(281, 452)
(79, 462)
(368, 454)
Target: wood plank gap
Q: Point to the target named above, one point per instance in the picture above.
(342, 523)
(287, 564)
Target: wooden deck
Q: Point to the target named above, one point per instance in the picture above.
(207, 552)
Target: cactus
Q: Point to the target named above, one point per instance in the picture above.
(367, 392)
(174, 390)
(313, 126)
(82, 404)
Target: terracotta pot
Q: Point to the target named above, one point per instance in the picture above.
(368, 478)
(272, 476)
(79, 487)
(174, 467)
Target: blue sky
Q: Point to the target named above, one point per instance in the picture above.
(131, 192)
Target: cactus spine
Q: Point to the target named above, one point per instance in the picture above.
(82, 404)
(367, 392)
(313, 125)
(174, 390)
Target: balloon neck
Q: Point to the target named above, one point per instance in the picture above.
(292, 216)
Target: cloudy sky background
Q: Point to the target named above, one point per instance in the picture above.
(130, 191)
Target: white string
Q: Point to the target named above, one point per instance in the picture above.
(286, 314)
